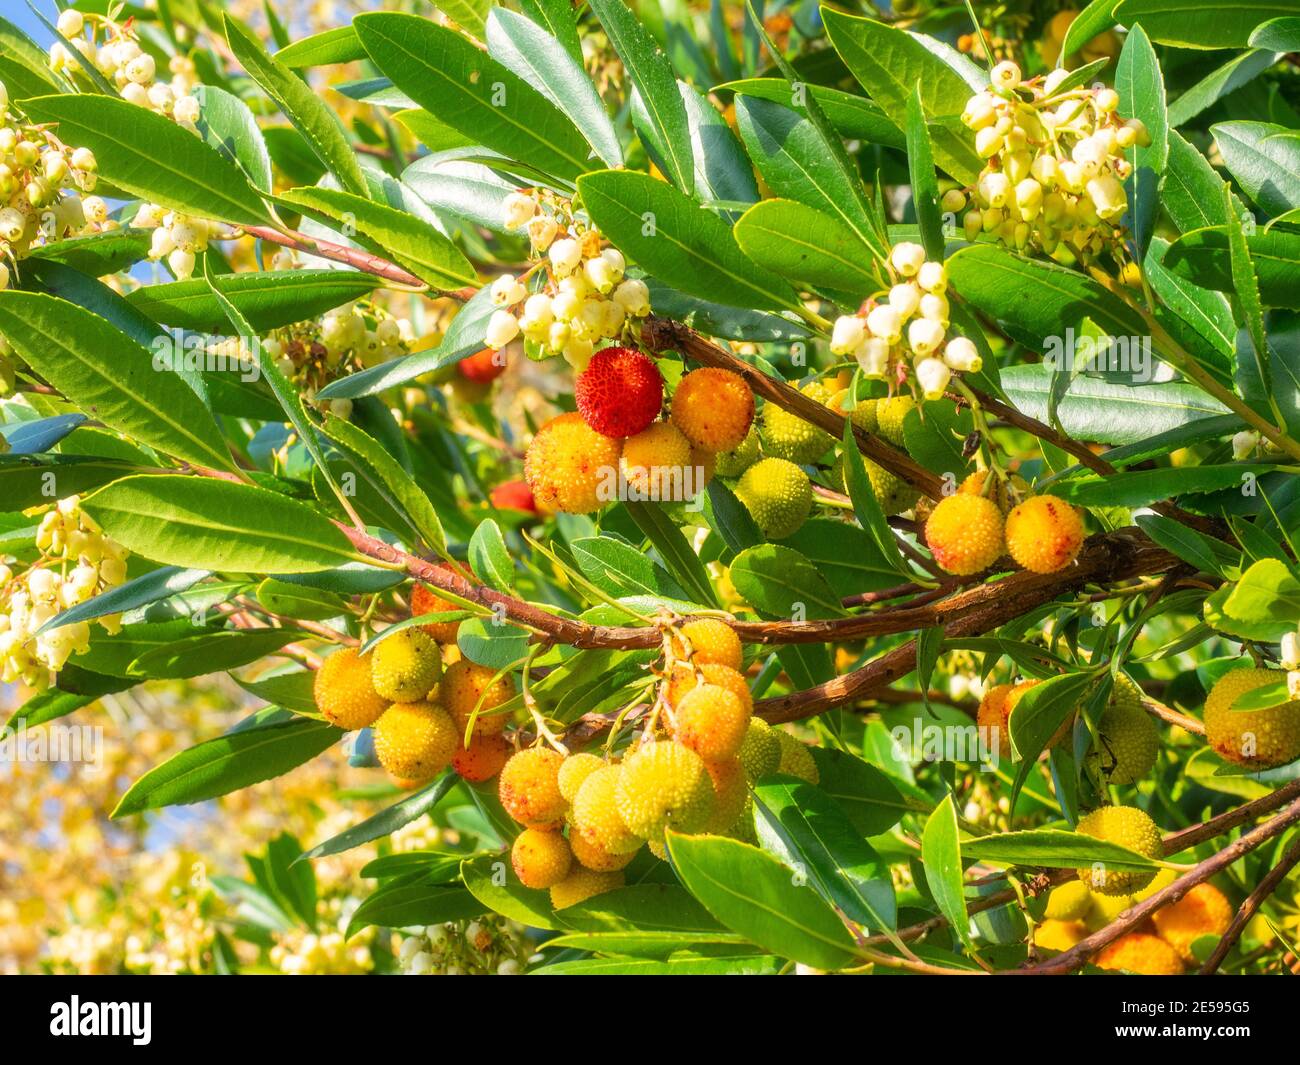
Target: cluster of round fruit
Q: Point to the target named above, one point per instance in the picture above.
(968, 531)
(690, 772)
(1055, 166)
(616, 446)
(575, 296)
(488, 946)
(114, 50)
(906, 332)
(1162, 945)
(77, 563)
(179, 238)
(41, 182)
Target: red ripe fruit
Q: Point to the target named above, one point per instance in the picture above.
(513, 495)
(619, 393)
(483, 366)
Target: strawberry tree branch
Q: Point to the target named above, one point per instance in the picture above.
(339, 253)
(1251, 906)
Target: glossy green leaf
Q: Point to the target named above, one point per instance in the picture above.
(1204, 258)
(388, 820)
(421, 904)
(779, 582)
(226, 123)
(337, 45)
(1202, 23)
(941, 858)
(802, 243)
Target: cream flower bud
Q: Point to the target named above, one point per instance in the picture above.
(1053, 80)
(1244, 444)
(517, 210)
(1107, 196)
(615, 316)
(71, 22)
(186, 110)
(600, 274)
(1072, 178)
(961, 354)
(924, 335)
(557, 336)
(847, 334)
(934, 306)
(577, 353)
(1043, 170)
(933, 276)
(978, 112)
(904, 298)
(181, 263)
(134, 93)
(995, 189)
(1029, 199)
(972, 224)
(907, 258)
(873, 356)
(1005, 76)
(933, 377)
(953, 201)
(616, 262)
(542, 230)
(42, 585)
(565, 254)
(634, 295)
(565, 306)
(141, 69)
(1291, 650)
(537, 308)
(885, 322)
(506, 291)
(988, 142)
(502, 328)
(1139, 128)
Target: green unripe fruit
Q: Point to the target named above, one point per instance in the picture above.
(796, 760)
(890, 414)
(404, 667)
(760, 751)
(1128, 739)
(893, 493)
(1129, 827)
(788, 436)
(778, 496)
(1069, 902)
(734, 463)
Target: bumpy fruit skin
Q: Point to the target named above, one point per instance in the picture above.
(1129, 739)
(713, 408)
(685, 680)
(760, 753)
(736, 461)
(1044, 534)
(964, 533)
(540, 859)
(1141, 953)
(482, 759)
(1256, 739)
(529, 788)
(595, 817)
(796, 761)
(512, 495)
(863, 415)
(1069, 902)
(592, 857)
(415, 740)
(1203, 911)
(1129, 827)
(1014, 696)
(893, 493)
(711, 721)
(582, 884)
(992, 718)
(404, 667)
(788, 436)
(778, 496)
(424, 601)
(712, 641)
(1057, 935)
(570, 467)
(730, 793)
(344, 692)
(466, 685)
(619, 393)
(664, 785)
(653, 461)
(890, 414)
(576, 769)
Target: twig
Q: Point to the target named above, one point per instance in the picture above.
(1251, 906)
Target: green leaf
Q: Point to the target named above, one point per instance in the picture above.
(846, 555)
(865, 505)
(1093, 20)
(1201, 23)
(1267, 594)
(490, 879)
(723, 171)
(211, 652)
(652, 75)
(24, 65)
(450, 78)
(489, 558)
(1142, 95)
(671, 236)
(1279, 34)
(1238, 71)
(803, 244)
(226, 123)
(1205, 258)
(1054, 849)
(779, 582)
(339, 45)
(217, 525)
(1204, 552)
(525, 48)
(925, 186)
(148, 588)
(559, 19)
(854, 117)
(302, 106)
(1042, 710)
(111, 377)
(267, 299)
(401, 905)
(641, 944)
(1140, 488)
(753, 894)
(292, 690)
(681, 964)
(409, 241)
(1191, 193)
(941, 858)
(150, 156)
(644, 907)
(675, 551)
(615, 567)
(388, 820)
(1265, 160)
(98, 254)
(219, 766)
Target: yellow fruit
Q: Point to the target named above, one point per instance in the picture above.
(1044, 534)
(890, 414)
(1141, 953)
(863, 415)
(664, 785)
(1059, 935)
(685, 679)
(992, 716)
(1257, 739)
(730, 793)
(711, 641)
(466, 686)
(344, 693)
(595, 815)
(736, 461)
(788, 436)
(540, 859)
(415, 740)
(1103, 909)
(1203, 911)
(1069, 902)
(760, 753)
(964, 533)
(653, 462)
(482, 759)
(576, 769)
(582, 884)
(1000, 492)
(893, 493)
(778, 496)
(713, 408)
(570, 467)
(704, 464)
(424, 601)
(1129, 740)
(711, 721)
(530, 789)
(404, 667)
(1162, 880)
(593, 857)
(796, 761)
(1129, 827)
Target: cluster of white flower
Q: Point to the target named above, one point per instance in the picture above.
(1055, 167)
(115, 52)
(478, 948)
(907, 331)
(179, 237)
(308, 954)
(183, 944)
(583, 300)
(1291, 662)
(77, 563)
